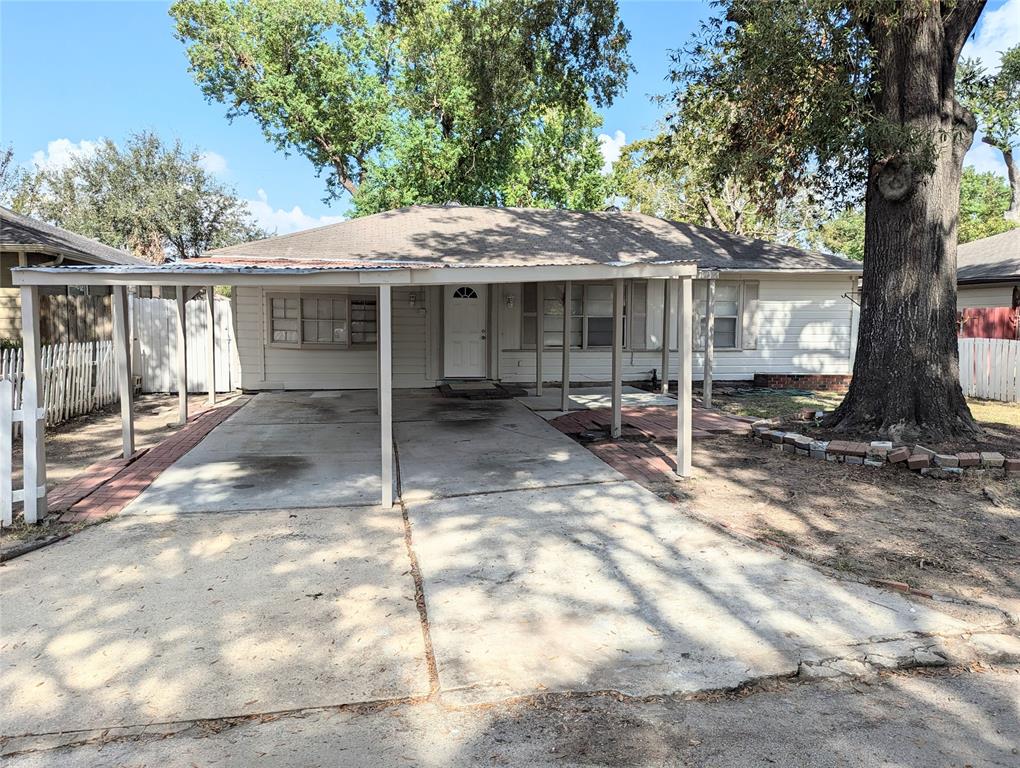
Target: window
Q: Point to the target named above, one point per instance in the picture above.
(591, 315)
(364, 321)
(465, 292)
(727, 314)
(323, 321)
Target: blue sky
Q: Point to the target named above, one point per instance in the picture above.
(74, 72)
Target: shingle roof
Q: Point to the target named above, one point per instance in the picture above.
(16, 230)
(458, 236)
(990, 258)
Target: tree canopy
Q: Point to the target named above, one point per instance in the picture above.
(984, 199)
(398, 101)
(994, 99)
(151, 198)
(667, 176)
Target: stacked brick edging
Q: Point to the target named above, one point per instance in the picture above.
(832, 382)
(111, 495)
(878, 453)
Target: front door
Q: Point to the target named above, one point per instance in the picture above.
(464, 313)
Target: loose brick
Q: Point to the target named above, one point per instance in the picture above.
(791, 438)
(1012, 466)
(857, 449)
(969, 459)
(947, 460)
(919, 461)
(838, 447)
(920, 449)
(992, 459)
(898, 455)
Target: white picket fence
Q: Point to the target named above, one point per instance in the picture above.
(77, 378)
(990, 369)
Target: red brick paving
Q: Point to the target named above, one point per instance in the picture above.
(120, 486)
(654, 422)
(643, 461)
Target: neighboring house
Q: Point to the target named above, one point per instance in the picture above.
(779, 310)
(988, 272)
(68, 313)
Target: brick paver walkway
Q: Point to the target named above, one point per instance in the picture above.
(639, 455)
(104, 489)
(656, 422)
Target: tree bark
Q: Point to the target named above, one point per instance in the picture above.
(1013, 212)
(906, 381)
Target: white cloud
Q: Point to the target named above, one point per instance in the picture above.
(59, 153)
(996, 31)
(213, 163)
(281, 221)
(610, 147)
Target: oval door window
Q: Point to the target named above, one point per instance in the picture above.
(465, 292)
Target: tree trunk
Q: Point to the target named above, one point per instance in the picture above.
(1013, 212)
(906, 381)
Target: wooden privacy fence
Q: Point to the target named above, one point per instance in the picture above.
(155, 329)
(77, 378)
(990, 368)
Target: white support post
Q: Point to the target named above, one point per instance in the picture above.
(666, 291)
(684, 413)
(706, 390)
(210, 350)
(567, 305)
(386, 393)
(539, 335)
(122, 349)
(182, 357)
(6, 451)
(617, 384)
(34, 424)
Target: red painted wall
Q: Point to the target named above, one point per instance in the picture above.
(989, 323)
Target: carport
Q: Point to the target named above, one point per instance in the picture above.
(377, 275)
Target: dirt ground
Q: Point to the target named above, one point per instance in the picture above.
(81, 442)
(955, 538)
(77, 444)
(999, 421)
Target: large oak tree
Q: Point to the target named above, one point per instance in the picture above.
(857, 95)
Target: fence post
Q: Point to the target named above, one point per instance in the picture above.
(34, 428)
(6, 449)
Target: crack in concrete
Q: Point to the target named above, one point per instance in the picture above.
(419, 581)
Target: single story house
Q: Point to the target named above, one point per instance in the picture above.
(425, 294)
(988, 272)
(70, 313)
(779, 310)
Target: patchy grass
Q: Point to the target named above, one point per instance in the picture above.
(775, 403)
(992, 412)
(780, 403)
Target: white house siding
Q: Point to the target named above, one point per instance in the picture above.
(802, 325)
(267, 367)
(977, 296)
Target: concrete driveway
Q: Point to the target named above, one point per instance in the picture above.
(254, 577)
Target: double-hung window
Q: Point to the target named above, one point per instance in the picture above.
(321, 321)
(727, 314)
(591, 315)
